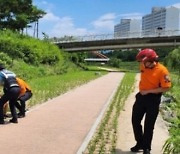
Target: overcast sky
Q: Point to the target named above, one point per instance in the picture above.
(85, 17)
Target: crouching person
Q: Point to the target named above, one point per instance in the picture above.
(11, 93)
(25, 94)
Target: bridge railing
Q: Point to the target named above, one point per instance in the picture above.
(154, 33)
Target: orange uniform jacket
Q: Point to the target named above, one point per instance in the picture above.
(154, 78)
(23, 86)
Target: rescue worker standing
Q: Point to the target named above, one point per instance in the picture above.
(153, 82)
(25, 94)
(11, 93)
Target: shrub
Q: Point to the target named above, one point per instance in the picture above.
(30, 50)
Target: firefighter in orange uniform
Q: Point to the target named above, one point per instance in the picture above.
(25, 94)
(153, 82)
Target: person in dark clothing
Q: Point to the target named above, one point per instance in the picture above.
(11, 93)
(153, 82)
(25, 94)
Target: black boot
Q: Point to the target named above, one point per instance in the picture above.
(136, 148)
(146, 151)
(21, 115)
(13, 120)
(2, 122)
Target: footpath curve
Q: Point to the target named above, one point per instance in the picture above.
(61, 125)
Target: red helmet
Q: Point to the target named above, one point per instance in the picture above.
(147, 55)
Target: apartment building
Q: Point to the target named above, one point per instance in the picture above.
(161, 21)
(128, 28)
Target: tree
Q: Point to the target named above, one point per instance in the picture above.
(173, 60)
(17, 14)
(163, 52)
(124, 55)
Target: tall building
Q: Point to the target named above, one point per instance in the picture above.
(128, 28)
(161, 21)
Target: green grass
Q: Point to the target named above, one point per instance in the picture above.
(122, 66)
(28, 49)
(104, 140)
(48, 87)
(129, 66)
(171, 146)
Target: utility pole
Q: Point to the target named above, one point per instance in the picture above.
(37, 29)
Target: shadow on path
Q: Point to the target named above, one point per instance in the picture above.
(119, 151)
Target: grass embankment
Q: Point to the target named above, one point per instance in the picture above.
(104, 140)
(48, 70)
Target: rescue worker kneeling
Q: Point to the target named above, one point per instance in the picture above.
(11, 93)
(25, 94)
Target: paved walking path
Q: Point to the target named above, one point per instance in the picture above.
(63, 124)
(125, 131)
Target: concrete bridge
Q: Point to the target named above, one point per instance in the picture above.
(120, 43)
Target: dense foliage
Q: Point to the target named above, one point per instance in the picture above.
(17, 14)
(29, 50)
(173, 60)
(172, 144)
(130, 54)
(30, 58)
(122, 58)
(123, 55)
